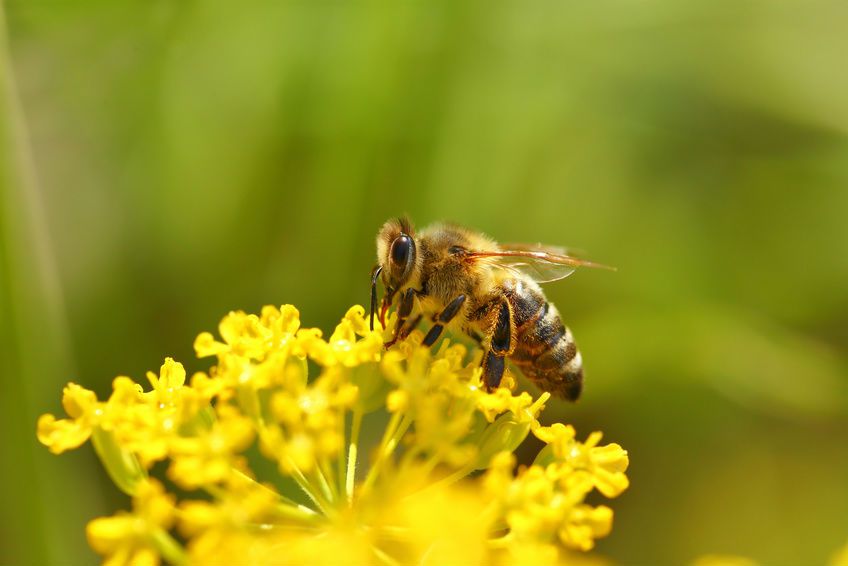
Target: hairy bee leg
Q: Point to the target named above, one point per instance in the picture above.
(444, 317)
(494, 363)
(493, 370)
(407, 301)
(501, 342)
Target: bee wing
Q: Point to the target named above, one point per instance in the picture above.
(540, 263)
(556, 250)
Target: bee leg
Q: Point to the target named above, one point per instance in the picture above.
(443, 318)
(407, 301)
(493, 370)
(407, 330)
(501, 346)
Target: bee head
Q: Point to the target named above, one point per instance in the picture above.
(396, 253)
(397, 263)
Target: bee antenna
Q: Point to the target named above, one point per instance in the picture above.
(374, 274)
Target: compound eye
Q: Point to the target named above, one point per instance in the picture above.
(401, 248)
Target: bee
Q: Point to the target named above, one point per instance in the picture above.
(463, 279)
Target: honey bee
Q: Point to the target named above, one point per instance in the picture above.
(490, 292)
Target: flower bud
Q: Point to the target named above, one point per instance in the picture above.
(505, 434)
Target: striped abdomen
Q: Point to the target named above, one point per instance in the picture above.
(545, 351)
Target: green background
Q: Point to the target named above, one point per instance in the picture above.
(165, 162)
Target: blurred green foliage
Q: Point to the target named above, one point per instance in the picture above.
(164, 162)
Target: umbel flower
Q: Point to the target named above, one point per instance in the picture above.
(441, 485)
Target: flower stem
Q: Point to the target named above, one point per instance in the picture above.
(298, 513)
(342, 469)
(308, 488)
(321, 480)
(122, 466)
(244, 477)
(169, 548)
(384, 558)
(350, 472)
(395, 430)
(328, 473)
(285, 507)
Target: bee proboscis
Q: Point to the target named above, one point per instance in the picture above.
(491, 292)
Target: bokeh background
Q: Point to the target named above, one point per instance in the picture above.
(165, 162)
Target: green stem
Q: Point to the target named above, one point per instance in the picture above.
(342, 454)
(286, 507)
(297, 475)
(122, 466)
(169, 548)
(350, 474)
(384, 558)
(241, 475)
(248, 400)
(298, 513)
(395, 430)
(308, 489)
(323, 484)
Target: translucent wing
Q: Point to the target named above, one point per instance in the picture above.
(556, 250)
(543, 264)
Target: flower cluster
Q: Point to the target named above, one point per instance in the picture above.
(439, 484)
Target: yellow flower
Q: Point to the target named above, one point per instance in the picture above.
(145, 423)
(251, 336)
(309, 400)
(166, 386)
(538, 509)
(64, 434)
(544, 502)
(210, 457)
(343, 346)
(222, 530)
(605, 465)
(138, 537)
